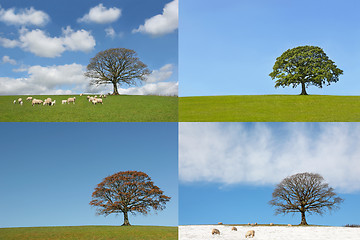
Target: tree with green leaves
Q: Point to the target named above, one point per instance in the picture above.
(128, 192)
(304, 193)
(304, 65)
(116, 66)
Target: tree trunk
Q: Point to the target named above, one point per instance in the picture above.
(126, 220)
(115, 89)
(303, 89)
(303, 219)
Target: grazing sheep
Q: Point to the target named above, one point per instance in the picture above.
(91, 99)
(28, 98)
(19, 100)
(94, 101)
(215, 231)
(220, 223)
(104, 95)
(69, 100)
(53, 103)
(47, 101)
(87, 97)
(63, 101)
(289, 225)
(233, 229)
(81, 94)
(14, 102)
(99, 100)
(21, 103)
(250, 233)
(36, 101)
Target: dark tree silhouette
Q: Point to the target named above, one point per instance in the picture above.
(304, 193)
(116, 66)
(128, 192)
(304, 65)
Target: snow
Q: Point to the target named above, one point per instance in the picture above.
(199, 232)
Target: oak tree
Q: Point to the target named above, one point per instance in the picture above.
(304, 65)
(116, 66)
(304, 193)
(128, 192)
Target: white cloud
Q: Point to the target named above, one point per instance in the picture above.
(164, 73)
(110, 32)
(8, 43)
(7, 59)
(161, 88)
(162, 24)
(101, 15)
(263, 154)
(80, 40)
(62, 79)
(39, 43)
(24, 17)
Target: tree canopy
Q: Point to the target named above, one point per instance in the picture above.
(116, 66)
(304, 65)
(304, 193)
(128, 192)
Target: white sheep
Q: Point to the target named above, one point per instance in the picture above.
(250, 233)
(69, 100)
(14, 102)
(53, 103)
(91, 99)
(99, 100)
(37, 101)
(29, 98)
(19, 100)
(81, 94)
(21, 103)
(63, 101)
(47, 101)
(215, 231)
(88, 97)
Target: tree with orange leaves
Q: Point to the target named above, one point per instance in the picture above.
(128, 192)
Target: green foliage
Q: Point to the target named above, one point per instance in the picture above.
(115, 109)
(269, 108)
(91, 232)
(305, 65)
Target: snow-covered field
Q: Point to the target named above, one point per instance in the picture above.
(203, 232)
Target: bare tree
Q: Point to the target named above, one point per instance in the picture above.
(116, 66)
(304, 193)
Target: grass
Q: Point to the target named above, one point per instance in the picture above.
(91, 232)
(270, 108)
(121, 108)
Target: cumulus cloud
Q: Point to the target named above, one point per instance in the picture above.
(266, 153)
(24, 17)
(8, 43)
(41, 44)
(7, 59)
(164, 73)
(101, 15)
(61, 79)
(162, 24)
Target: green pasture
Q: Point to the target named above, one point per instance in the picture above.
(91, 232)
(270, 108)
(122, 108)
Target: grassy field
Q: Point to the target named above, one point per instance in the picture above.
(270, 108)
(91, 232)
(115, 109)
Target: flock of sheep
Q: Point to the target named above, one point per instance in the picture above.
(250, 233)
(48, 101)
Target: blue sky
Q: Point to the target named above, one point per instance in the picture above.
(227, 171)
(229, 47)
(45, 48)
(49, 170)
